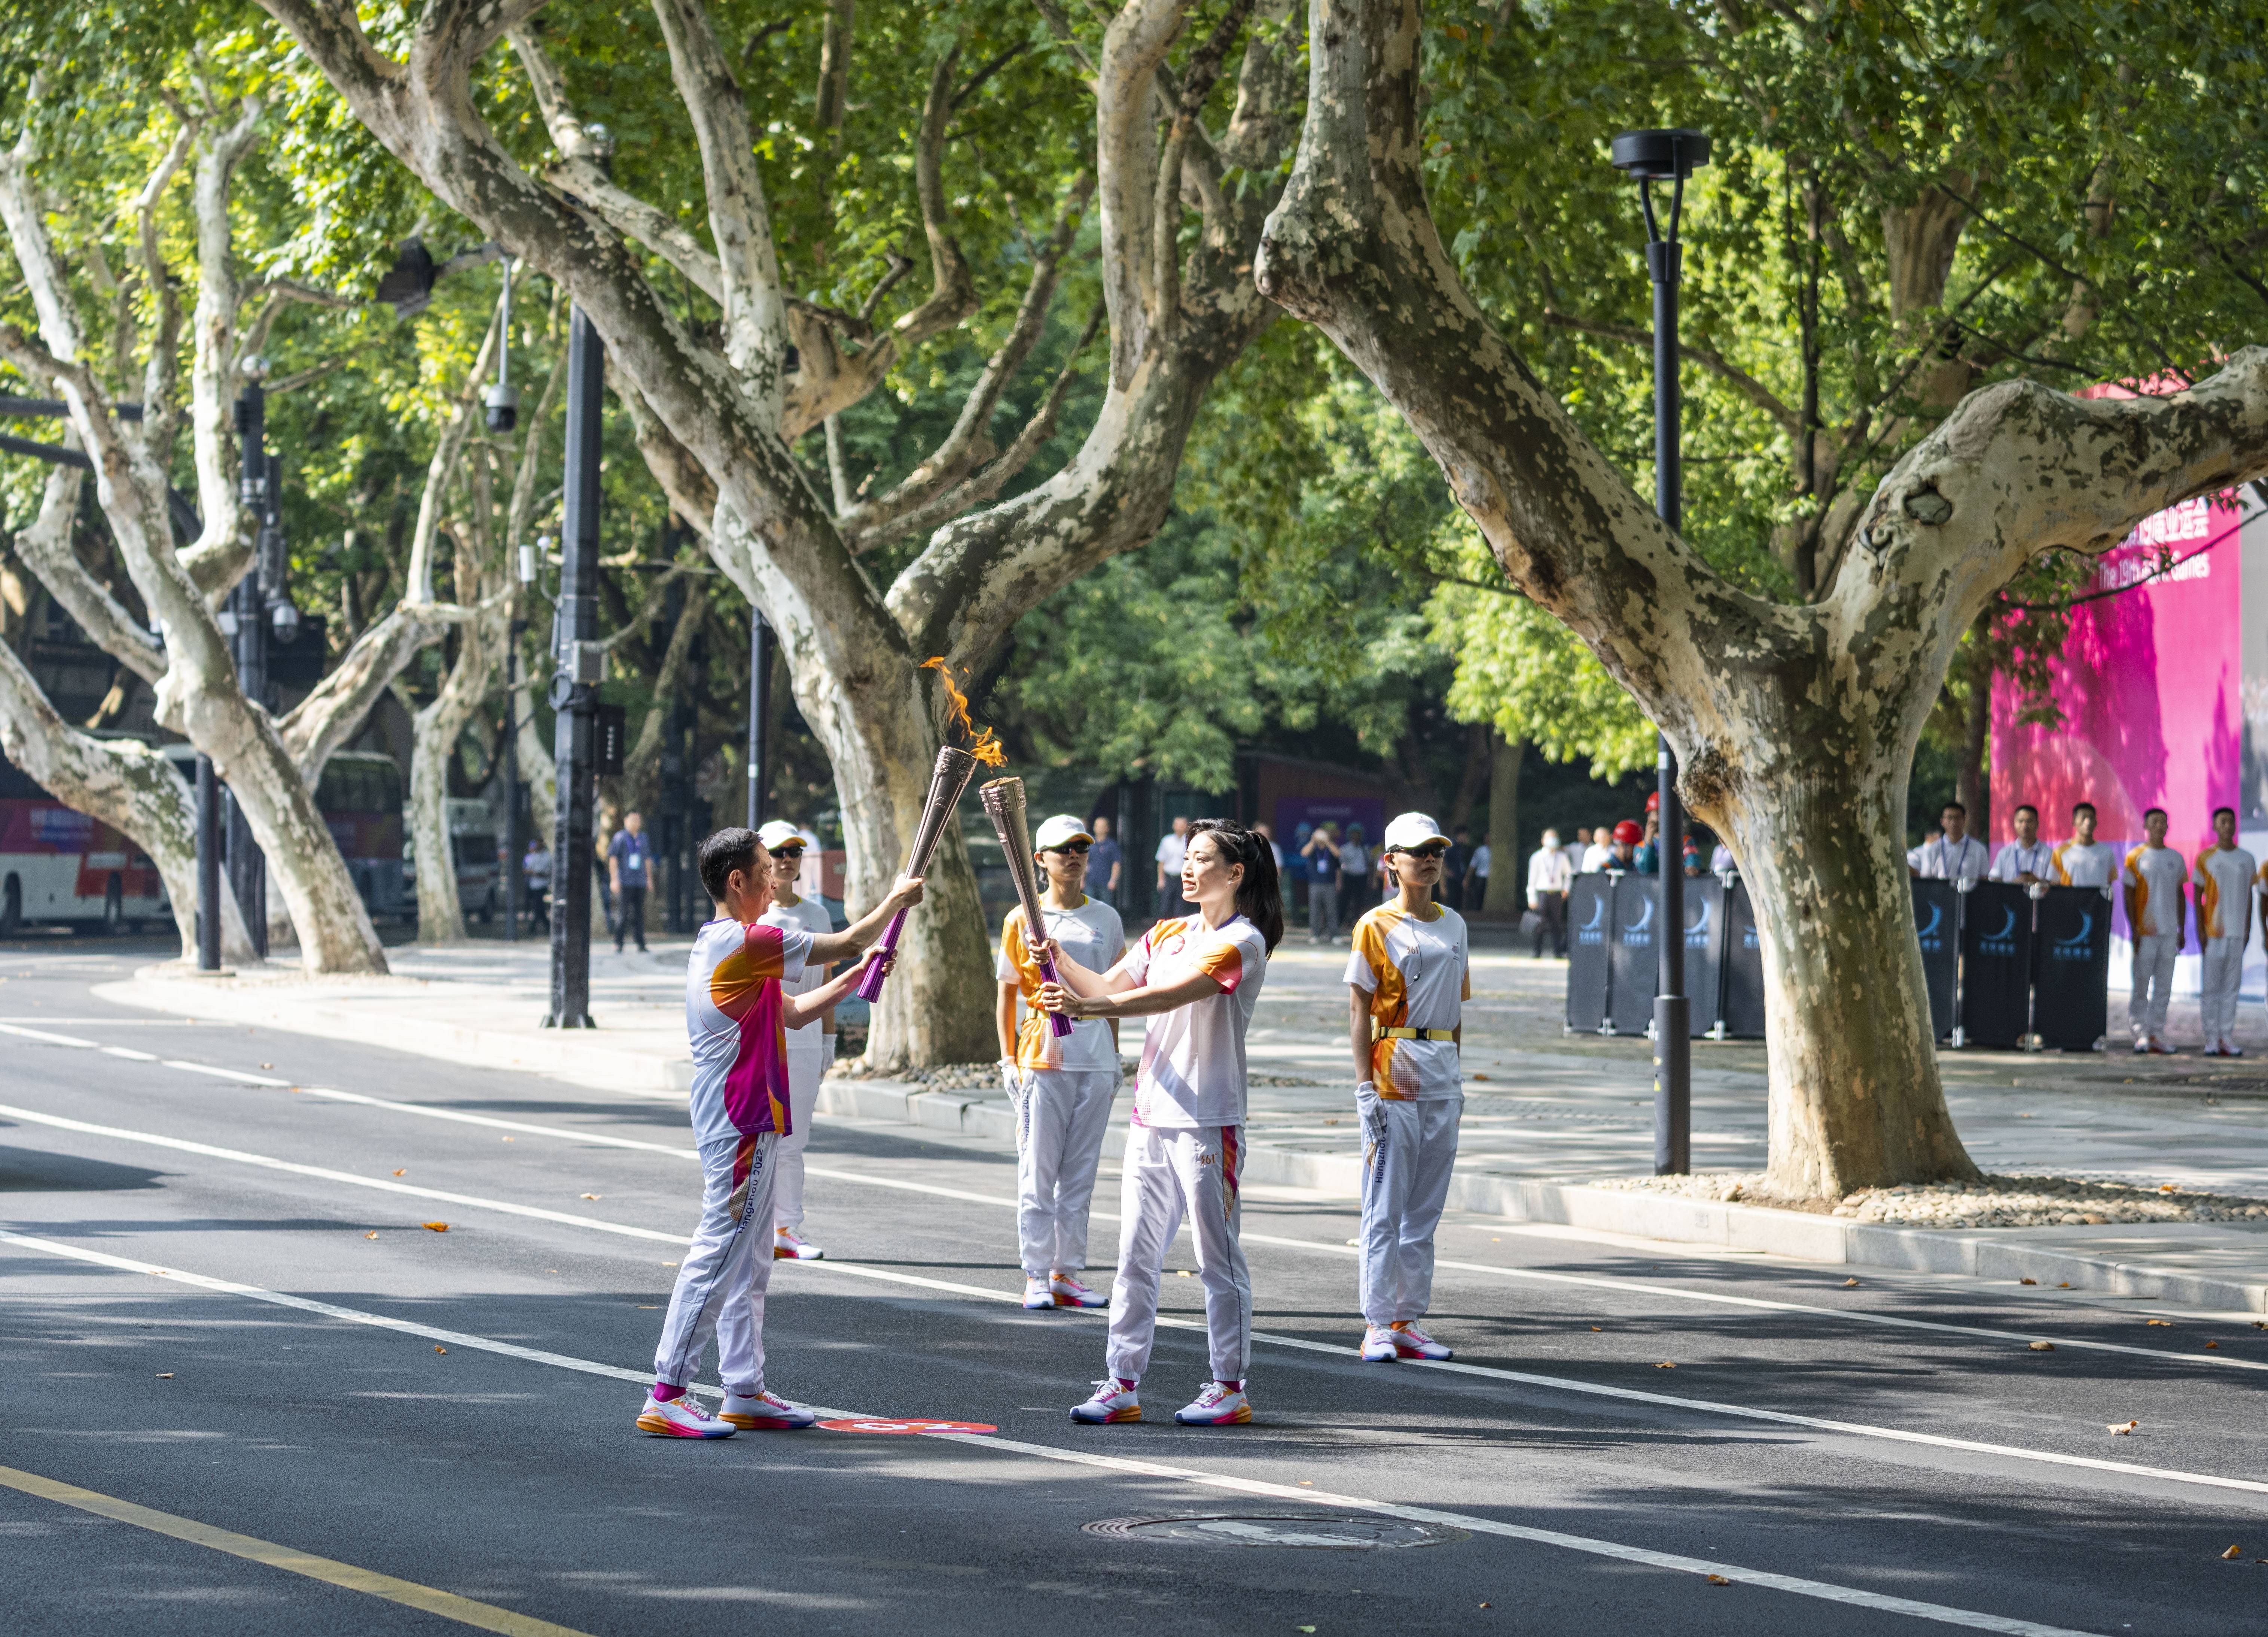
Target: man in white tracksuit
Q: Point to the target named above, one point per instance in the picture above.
(1062, 1087)
(2157, 916)
(810, 1049)
(2225, 874)
(1407, 977)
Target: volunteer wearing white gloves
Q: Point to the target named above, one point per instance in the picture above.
(1199, 975)
(1408, 974)
(810, 1049)
(1062, 1087)
(2157, 916)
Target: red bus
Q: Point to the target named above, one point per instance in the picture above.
(59, 867)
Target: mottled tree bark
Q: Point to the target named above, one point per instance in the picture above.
(1794, 725)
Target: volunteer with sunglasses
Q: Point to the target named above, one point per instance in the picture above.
(1062, 1087)
(810, 1049)
(1408, 974)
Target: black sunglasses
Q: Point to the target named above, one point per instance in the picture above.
(789, 853)
(1432, 850)
(1072, 846)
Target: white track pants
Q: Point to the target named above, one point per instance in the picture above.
(2224, 966)
(804, 1067)
(2152, 983)
(1169, 1173)
(1409, 1149)
(721, 1282)
(1061, 1117)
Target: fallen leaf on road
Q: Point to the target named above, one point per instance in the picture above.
(2233, 1551)
(590, 1196)
(2064, 1285)
(2260, 1323)
(1598, 1327)
(2162, 1323)
(165, 1375)
(440, 1350)
(2121, 1427)
(438, 1228)
(2043, 1347)
(401, 1173)
(2028, 1282)
(1332, 1122)
(2214, 1345)
(1849, 1283)
(1306, 1483)
(268, 1065)
(372, 1234)
(1665, 1364)
(1488, 1605)
(2165, 1188)
(1182, 1272)
(1481, 1077)
(1719, 1579)
(506, 1140)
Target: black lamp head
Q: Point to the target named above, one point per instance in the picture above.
(1660, 155)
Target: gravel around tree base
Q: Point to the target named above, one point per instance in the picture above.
(1995, 1202)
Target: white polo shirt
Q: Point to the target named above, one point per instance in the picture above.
(1418, 975)
(1192, 1071)
(2224, 891)
(1939, 859)
(2090, 863)
(2156, 874)
(2015, 860)
(1094, 936)
(808, 917)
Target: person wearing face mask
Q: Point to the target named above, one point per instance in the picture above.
(1408, 978)
(1198, 977)
(1062, 1089)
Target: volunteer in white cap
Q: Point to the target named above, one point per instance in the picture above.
(1407, 977)
(1197, 978)
(811, 1048)
(1062, 1087)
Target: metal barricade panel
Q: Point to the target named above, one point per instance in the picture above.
(1590, 913)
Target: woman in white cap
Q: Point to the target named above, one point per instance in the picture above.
(810, 1049)
(1198, 977)
(1062, 1087)
(1407, 977)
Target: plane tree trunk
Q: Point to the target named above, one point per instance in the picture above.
(1793, 724)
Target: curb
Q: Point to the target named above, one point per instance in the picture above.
(1798, 1234)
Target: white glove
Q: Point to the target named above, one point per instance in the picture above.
(1368, 1088)
(1012, 1078)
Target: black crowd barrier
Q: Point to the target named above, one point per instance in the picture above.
(2001, 967)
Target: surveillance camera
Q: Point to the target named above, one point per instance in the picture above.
(503, 408)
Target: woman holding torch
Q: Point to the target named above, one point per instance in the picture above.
(1062, 1087)
(1199, 975)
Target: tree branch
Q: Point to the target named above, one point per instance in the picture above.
(1715, 362)
(46, 548)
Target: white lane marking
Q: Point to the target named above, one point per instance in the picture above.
(221, 1073)
(1826, 1591)
(51, 1039)
(129, 1054)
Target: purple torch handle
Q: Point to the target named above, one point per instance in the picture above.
(870, 981)
(1056, 1021)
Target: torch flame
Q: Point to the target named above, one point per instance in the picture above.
(981, 743)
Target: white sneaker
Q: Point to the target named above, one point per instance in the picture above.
(766, 1411)
(1413, 1343)
(1038, 1295)
(1218, 1404)
(1378, 1345)
(790, 1246)
(1070, 1292)
(2142, 1045)
(2230, 1048)
(682, 1417)
(1111, 1402)
(2211, 1049)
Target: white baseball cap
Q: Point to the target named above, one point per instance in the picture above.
(778, 833)
(1058, 831)
(1412, 830)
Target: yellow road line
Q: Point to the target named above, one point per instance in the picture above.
(447, 1604)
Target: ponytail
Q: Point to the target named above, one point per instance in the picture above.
(1259, 895)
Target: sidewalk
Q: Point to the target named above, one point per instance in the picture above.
(1549, 1119)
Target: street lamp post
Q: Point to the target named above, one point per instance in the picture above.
(1647, 157)
(574, 685)
(760, 671)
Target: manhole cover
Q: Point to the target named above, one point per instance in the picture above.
(1288, 1529)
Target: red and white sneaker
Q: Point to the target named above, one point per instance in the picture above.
(1378, 1347)
(1218, 1404)
(681, 1418)
(1113, 1401)
(765, 1413)
(790, 1246)
(1413, 1343)
(1069, 1292)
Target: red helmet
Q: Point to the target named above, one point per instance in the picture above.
(1629, 833)
(1654, 802)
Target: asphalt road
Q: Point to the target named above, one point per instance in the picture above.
(218, 1302)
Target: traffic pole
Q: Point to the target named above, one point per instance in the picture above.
(574, 684)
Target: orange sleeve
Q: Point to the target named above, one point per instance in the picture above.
(1224, 964)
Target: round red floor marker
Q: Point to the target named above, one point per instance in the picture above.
(884, 1424)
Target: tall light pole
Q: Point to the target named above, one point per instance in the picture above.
(1647, 157)
(574, 684)
(759, 674)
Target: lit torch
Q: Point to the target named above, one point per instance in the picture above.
(955, 767)
(1004, 805)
